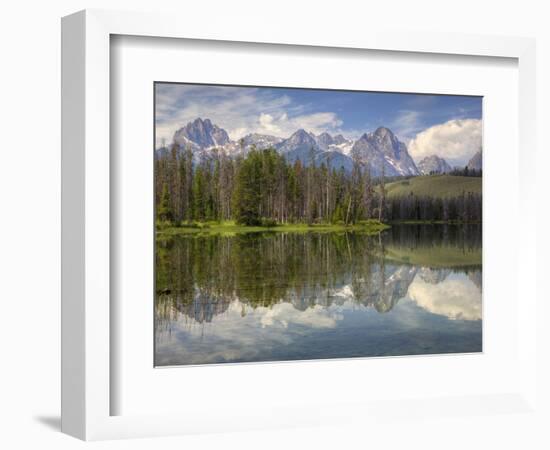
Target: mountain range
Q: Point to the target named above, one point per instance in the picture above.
(381, 149)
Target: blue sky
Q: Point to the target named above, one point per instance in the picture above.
(447, 125)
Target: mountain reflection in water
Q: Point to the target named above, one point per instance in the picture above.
(290, 296)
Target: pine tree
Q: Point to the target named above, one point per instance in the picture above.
(188, 176)
(247, 197)
(164, 211)
(199, 195)
(367, 192)
(382, 205)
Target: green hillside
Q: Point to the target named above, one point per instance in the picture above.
(435, 186)
(435, 256)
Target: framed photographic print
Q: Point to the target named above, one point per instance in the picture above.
(299, 235)
(236, 241)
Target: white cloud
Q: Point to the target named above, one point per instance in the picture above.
(234, 335)
(283, 314)
(283, 126)
(457, 297)
(456, 141)
(238, 110)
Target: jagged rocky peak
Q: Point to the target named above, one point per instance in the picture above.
(383, 133)
(389, 142)
(325, 139)
(302, 135)
(384, 152)
(476, 163)
(433, 164)
(300, 140)
(201, 133)
(365, 137)
(339, 139)
(337, 143)
(301, 146)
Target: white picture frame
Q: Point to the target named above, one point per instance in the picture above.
(86, 219)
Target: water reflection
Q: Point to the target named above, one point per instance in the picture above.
(265, 297)
(453, 296)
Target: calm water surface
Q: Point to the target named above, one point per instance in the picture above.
(414, 289)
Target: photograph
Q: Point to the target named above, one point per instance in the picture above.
(293, 223)
(269, 225)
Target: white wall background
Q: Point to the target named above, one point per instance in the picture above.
(30, 193)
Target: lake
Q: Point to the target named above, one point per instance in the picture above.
(276, 296)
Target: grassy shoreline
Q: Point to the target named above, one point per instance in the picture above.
(369, 226)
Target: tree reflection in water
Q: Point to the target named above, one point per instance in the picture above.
(200, 277)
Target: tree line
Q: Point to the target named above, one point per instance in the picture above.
(466, 172)
(466, 207)
(263, 188)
